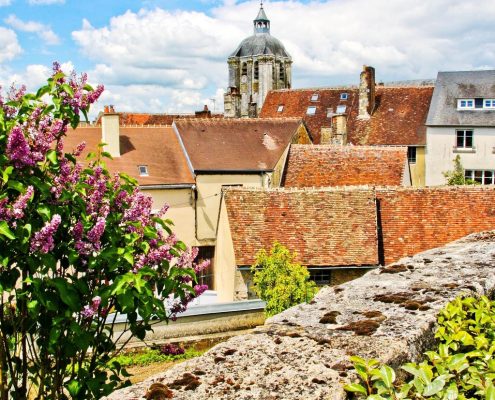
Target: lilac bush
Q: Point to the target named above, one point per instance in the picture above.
(77, 246)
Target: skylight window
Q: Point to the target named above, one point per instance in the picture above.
(280, 108)
(315, 97)
(341, 109)
(344, 96)
(143, 170)
(311, 110)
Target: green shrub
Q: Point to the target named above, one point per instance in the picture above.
(463, 366)
(150, 356)
(280, 281)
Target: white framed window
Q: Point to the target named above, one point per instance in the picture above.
(280, 108)
(489, 103)
(329, 112)
(143, 170)
(485, 177)
(340, 109)
(315, 97)
(465, 104)
(464, 138)
(344, 96)
(311, 110)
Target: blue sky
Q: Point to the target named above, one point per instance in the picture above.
(170, 55)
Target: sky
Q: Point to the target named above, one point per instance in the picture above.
(170, 56)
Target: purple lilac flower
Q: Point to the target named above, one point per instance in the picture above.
(20, 204)
(200, 289)
(95, 233)
(18, 149)
(91, 309)
(201, 266)
(79, 149)
(87, 312)
(42, 240)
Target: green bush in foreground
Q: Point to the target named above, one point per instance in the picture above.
(280, 281)
(462, 367)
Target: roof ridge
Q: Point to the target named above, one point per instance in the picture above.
(353, 147)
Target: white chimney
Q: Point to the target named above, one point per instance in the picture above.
(110, 132)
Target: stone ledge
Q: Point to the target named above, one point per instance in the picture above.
(303, 353)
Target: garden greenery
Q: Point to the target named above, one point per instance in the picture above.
(280, 281)
(77, 246)
(463, 366)
(456, 176)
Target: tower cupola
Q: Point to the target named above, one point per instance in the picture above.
(261, 23)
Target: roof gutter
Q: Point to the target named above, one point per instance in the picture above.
(233, 172)
(173, 186)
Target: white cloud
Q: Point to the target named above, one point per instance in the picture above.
(44, 32)
(45, 2)
(9, 45)
(160, 60)
(4, 3)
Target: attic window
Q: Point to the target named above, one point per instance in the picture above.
(280, 108)
(489, 103)
(143, 170)
(340, 109)
(315, 97)
(344, 96)
(311, 110)
(465, 104)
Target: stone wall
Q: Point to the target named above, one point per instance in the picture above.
(414, 220)
(303, 353)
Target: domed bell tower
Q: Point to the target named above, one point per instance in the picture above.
(259, 64)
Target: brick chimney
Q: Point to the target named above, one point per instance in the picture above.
(366, 92)
(110, 131)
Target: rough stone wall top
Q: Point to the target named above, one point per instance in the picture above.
(316, 166)
(303, 353)
(326, 228)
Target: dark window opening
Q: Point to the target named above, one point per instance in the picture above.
(464, 138)
(244, 69)
(478, 103)
(205, 277)
(411, 155)
(256, 70)
(282, 72)
(321, 277)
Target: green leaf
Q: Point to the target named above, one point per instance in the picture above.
(434, 387)
(6, 173)
(388, 375)
(5, 230)
(74, 387)
(356, 388)
(490, 392)
(67, 294)
(51, 156)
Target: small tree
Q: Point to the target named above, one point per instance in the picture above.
(280, 281)
(456, 176)
(77, 246)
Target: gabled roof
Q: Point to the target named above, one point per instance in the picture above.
(236, 144)
(398, 119)
(296, 103)
(156, 147)
(325, 165)
(130, 118)
(325, 227)
(451, 86)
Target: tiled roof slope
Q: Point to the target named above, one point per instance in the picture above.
(236, 144)
(327, 165)
(326, 228)
(461, 85)
(296, 103)
(398, 119)
(156, 147)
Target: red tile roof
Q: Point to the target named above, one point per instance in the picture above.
(128, 118)
(325, 227)
(399, 116)
(236, 144)
(156, 147)
(327, 165)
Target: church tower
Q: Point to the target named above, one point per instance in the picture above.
(259, 64)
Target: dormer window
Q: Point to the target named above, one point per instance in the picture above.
(341, 109)
(344, 96)
(311, 110)
(315, 97)
(489, 103)
(280, 108)
(465, 104)
(143, 170)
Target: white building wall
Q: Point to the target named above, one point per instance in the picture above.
(440, 152)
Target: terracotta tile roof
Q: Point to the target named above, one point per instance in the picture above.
(129, 118)
(327, 165)
(325, 227)
(236, 144)
(398, 119)
(296, 103)
(156, 147)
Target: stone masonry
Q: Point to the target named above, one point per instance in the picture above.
(303, 353)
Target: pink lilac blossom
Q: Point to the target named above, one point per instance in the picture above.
(90, 310)
(42, 240)
(20, 204)
(95, 233)
(18, 149)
